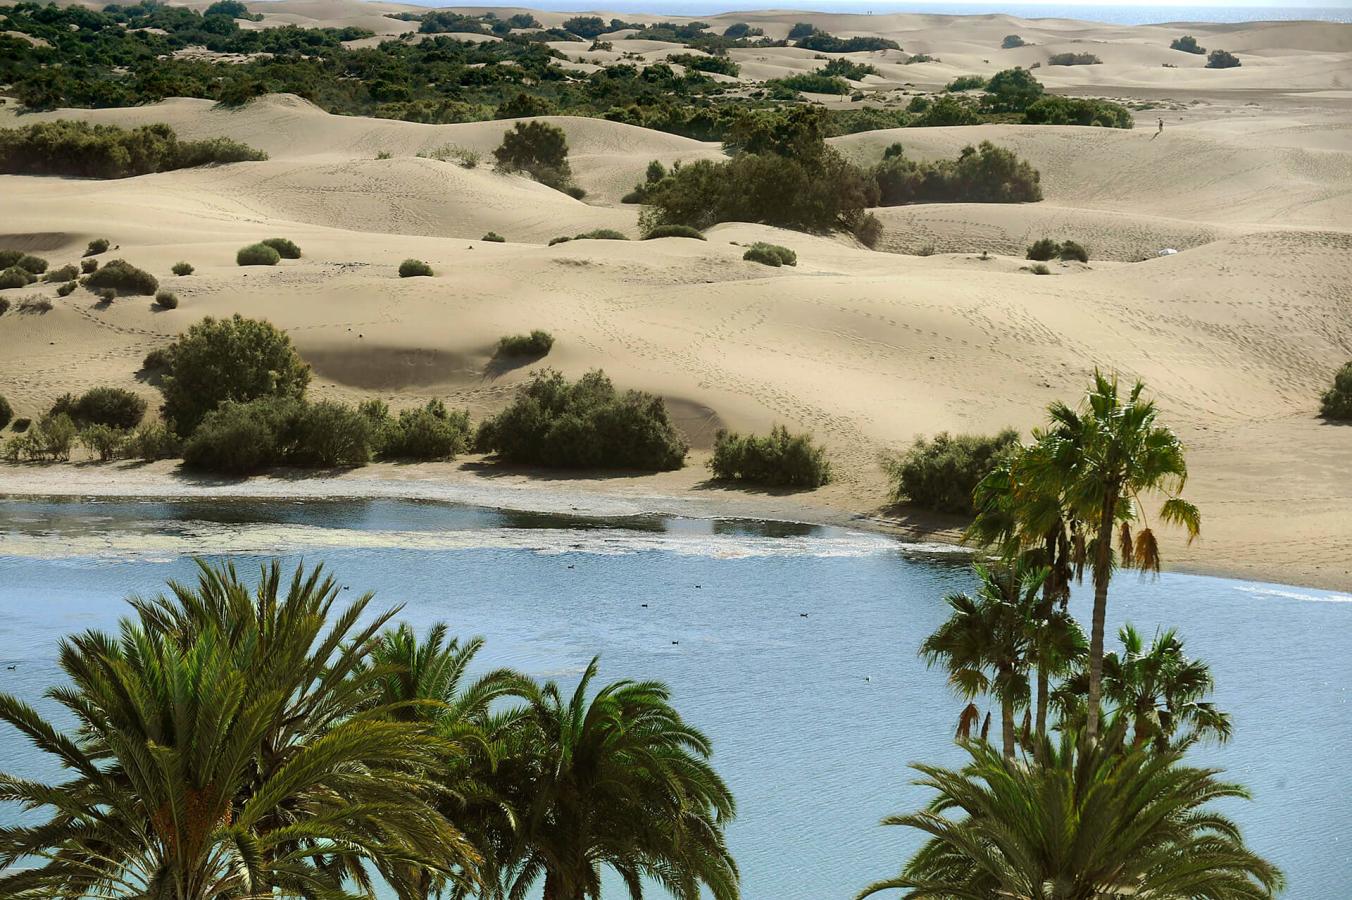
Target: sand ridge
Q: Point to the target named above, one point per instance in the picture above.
(1237, 334)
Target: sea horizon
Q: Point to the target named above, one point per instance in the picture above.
(1117, 14)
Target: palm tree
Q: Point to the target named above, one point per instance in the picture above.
(1092, 821)
(985, 642)
(1101, 459)
(1157, 690)
(426, 682)
(173, 796)
(620, 781)
(1024, 519)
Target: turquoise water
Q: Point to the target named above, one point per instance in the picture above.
(813, 719)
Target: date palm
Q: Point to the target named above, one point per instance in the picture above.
(170, 797)
(1101, 459)
(1087, 821)
(616, 780)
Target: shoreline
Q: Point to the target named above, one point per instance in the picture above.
(469, 482)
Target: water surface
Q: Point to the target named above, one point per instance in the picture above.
(813, 718)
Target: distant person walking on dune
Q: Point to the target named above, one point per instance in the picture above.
(1160, 131)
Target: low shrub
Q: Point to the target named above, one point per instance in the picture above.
(97, 246)
(1073, 59)
(49, 440)
(285, 247)
(494, 237)
(1012, 90)
(827, 43)
(159, 360)
(583, 424)
(1057, 110)
(166, 300)
(777, 460)
(770, 255)
(412, 268)
(34, 304)
(869, 230)
(104, 441)
(112, 406)
(940, 474)
(182, 268)
(122, 277)
(6, 412)
(1039, 269)
(328, 435)
(240, 438)
(34, 265)
(537, 343)
(1043, 249)
(106, 295)
(966, 83)
(1188, 44)
(152, 441)
(466, 157)
(14, 277)
(428, 432)
(1011, 41)
(82, 149)
(808, 83)
(561, 239)
(4, 305)
(539, 149)
(63, 274)
(1336, 403)
(673, 231)
(1074, 251)
(601, 234)
(88, 265)
(1222, 59)
(982, 174)
(846, 68)
(257, 255)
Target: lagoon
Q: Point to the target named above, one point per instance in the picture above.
(814, 717)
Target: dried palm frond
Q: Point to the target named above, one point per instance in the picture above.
(1147, 552)
(1124, 546)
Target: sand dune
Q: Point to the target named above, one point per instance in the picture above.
(1237, 334)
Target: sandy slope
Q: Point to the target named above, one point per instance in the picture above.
(1237, 335)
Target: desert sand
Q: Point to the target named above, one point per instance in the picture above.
(1236, 335)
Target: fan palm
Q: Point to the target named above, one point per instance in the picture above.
(1088, 821)
(1156, 690)
(170, 798)
(1101, 459)
(618, 781)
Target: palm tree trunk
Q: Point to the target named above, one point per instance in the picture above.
(1007, 726)
(1102, 572)
(1043, 685)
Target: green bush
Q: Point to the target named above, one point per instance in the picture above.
(966, 83)
(4, 305)
(238, 438)
(940, 474)
(537, 343)
(770, 255)
(1039, 269)
(89, 265)
(285, 247)
(14, 277)
(159, 360)
(810, 83)
(152, 441)
(67, 289)
(1043, 249)
(104, 441)
(1012, 90)
(97, 246)
(63, 274)
(10, 258)
(846, 68)
(1056, 110)
(827, 43)
(1073, 59)
(6, 412)
(869, 230)
(1222, 59)
(1073, 250)
(428, 432)
(801, 30)
(1187, 43)
(257, 255)
(583, 424)
(115, 407)
(538, 148)
(82, 149)
(122, 277)
(673, 231)
(721, 65)
(779, 460)
(34, 265)
(234, 359)
(412, 268)
(1337, 401)
(182, 268)
(984, 174)
(561, 239)
(106, 295)
(166, 300)
(1011, 41)
(328, 435)
(50, 440)
(601, 234)
(494, 237)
